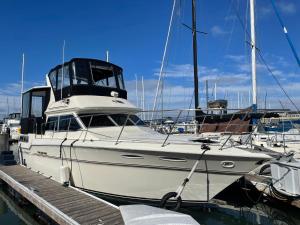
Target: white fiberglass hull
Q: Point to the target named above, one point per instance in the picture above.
(134, 174)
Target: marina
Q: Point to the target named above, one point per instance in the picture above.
(208, 134)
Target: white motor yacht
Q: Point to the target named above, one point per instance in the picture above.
(12, 126)
(86, 126)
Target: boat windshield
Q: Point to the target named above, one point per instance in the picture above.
(110, 120)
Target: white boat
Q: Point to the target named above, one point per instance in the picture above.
(12, 126)
(86, 128)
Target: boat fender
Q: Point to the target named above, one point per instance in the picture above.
(168, 196)
(64, 175)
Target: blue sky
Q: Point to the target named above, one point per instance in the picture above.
(134, 32)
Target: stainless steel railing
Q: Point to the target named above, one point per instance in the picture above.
(156, 123)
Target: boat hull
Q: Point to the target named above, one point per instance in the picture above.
(136, 175)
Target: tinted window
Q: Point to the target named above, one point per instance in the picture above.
(137, 120)
(52, 123)
(59, 79)
(97, 121)
(68, 123)
(120, 81)
(82, 73)
(52, 77)
(102, 76)
(37, 106)
(25, 105)
(120, 119)
(66, 77)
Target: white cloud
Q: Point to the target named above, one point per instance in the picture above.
(204, 73)
(236, 58)
(287, 7)
(217, 31)
(284, 6)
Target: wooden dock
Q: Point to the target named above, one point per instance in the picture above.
(64, 205)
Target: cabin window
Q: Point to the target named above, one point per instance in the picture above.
(136, 120)
(25, 105)
(59, 79)
(82, 74)
(52, 123)
(68, 122)
(37, 106)
(120, 119)
(102, 76)
(120, 81)
(66, 77)
(96, 121)
(53, 79)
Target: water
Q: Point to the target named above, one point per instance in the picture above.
(7, 216)
(260, 214)
(12, 214)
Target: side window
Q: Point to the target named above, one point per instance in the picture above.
(66, 78)
(120, 119)
(53, 79)
(97, 121)
(82, 73)
(74, 125)
(68, 122)
(37, 106)
(59, 79)
(25, 105)
(52, 123)
(136, 120)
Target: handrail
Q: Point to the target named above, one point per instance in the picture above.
(92, 116)
(122, 130)
(171, 129)
(188, 127)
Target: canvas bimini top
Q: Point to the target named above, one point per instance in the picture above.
(82, 76)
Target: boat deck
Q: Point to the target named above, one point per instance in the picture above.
(64, 205)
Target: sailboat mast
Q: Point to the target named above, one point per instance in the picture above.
(194, 30)
(253, 54)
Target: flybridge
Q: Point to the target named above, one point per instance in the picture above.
(82, 76)
(79, 76)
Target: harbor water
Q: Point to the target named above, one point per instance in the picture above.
(12, 214)
(7, 216)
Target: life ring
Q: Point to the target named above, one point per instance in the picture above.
(166, 197)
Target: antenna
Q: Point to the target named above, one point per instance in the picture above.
(7, 105)
(206, 93)
(238, 95)
(136, 91)
(215, 90)
(143, 97)
(22, 80)
(107, 56)
(62, 70)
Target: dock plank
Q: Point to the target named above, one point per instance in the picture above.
(63, 204)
